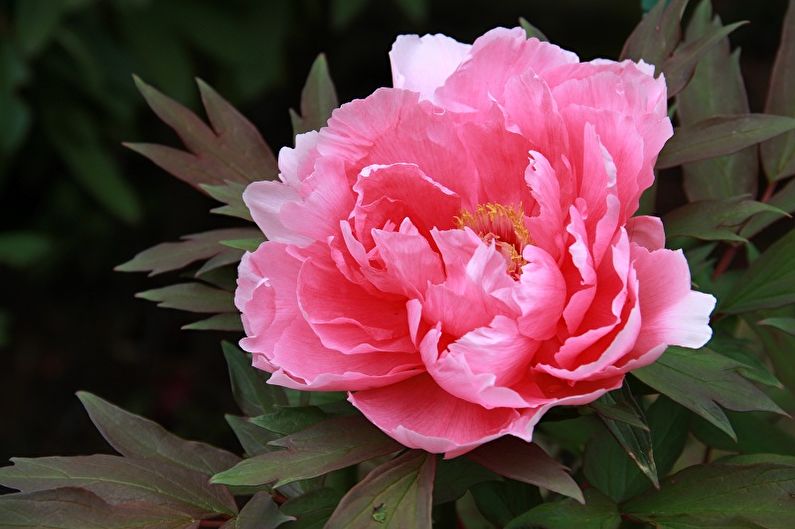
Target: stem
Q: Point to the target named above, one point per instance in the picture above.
(731, 252)
(707, 455)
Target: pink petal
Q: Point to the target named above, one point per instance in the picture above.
(495, 58)
(647, 232)
(347, 317)
(672, 313)
(392, 193)
(419, 414)
(422, 64)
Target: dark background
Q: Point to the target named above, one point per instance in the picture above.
(74, 203)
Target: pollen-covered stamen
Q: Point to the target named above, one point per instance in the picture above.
(502, 224)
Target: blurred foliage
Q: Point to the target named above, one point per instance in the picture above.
(74, 203)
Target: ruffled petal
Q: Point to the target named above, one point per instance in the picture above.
(422, 64)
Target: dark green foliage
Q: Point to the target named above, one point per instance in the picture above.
(629, 460)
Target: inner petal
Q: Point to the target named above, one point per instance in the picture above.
(504, 226)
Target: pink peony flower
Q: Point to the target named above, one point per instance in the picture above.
(459, 253)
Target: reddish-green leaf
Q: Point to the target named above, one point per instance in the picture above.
(657, 34)
(135, 436)
(678, 69)
(720, 135)
(231, 151)
(778, 154)
(395, 495)
(261, 512)
(330, 445)
(318, 98)
(169, 256)
(218, 322)
(192, 297)
(528, 463)
(122, 480)
(74, 508)
(716, 88)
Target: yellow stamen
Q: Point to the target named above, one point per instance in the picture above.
(502, 224)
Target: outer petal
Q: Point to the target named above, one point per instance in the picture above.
(672, 313)
(282, 342)
(422, 64)
(419, 414)
(495, 58)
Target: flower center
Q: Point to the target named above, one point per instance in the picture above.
(504, 225)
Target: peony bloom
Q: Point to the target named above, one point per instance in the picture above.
(458, 252)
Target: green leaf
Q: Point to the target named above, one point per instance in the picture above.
(714, 220)
(779, 347)
(701, 380)
(249, 384)
(192, 297)
(286, 421)
(532, 31)
(395, 495)
(313, 509)
(502, 501)
(571, 434)
(756, 433)
(635, 440)
(657, 34)
(330, 445)
(252, 438)
(786, 325)
(455, 476)
(720, 135)
(608, 467)
(76, 141)
(231, 194)
(778, 154)
(119, 480)
(218, 322)
(261, 512)
(598, 512)
(678, 68)
(169, 256)
(615, 406)
(21, 249)
(528, 463)
(74, 508)
(768, 283)
(721, 495)
(415, 10)
(35, 22)
(231, 151)
(249, 245)
(318, 98)
(752, 366)
(716, 88)
(135, 436)
(343, 12)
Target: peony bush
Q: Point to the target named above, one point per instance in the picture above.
(461, 304)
